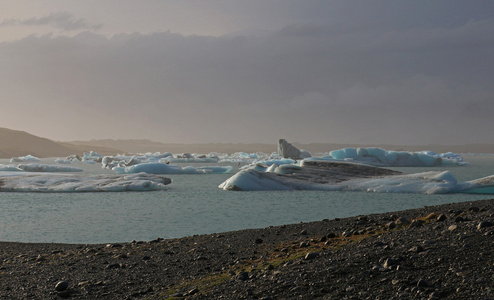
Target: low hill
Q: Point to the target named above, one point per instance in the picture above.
(143, 146)
(14, 143)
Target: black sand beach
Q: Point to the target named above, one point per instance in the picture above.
(435, 252)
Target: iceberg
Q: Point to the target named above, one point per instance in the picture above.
(384, 158)
(66, 183)
(47, 168)
(163, 168)
(9, 168)
(327, 175)
(110, 162)
(25, 158)
(287, 150)
(38, 168)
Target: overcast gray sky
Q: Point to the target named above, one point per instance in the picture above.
(362, 71)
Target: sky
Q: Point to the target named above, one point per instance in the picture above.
(331, 71)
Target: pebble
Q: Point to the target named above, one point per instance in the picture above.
(61, 285)
(484, 224)
(422, 283)
(311, 255)
(416, 223)
(452, 227)
(402, 221)
(391, 225)
(441, 218)
(416, 249)
(243, 276)
(388, 263)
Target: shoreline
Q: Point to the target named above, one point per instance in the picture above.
(433, 252)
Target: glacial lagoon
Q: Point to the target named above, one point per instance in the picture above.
(193, 204)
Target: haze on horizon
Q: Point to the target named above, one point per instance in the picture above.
(332, 71)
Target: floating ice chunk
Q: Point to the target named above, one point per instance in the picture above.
(9, 168)
(24, 159)
(484, 185)
(72, 183)
(344, 153)
(287, 150)
(92, 157)
(420, 183)
(381, 157)
(160, 168)
(47, 168)
(63, 161)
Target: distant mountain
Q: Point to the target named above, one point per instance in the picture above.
(143, 146)
(14, 143)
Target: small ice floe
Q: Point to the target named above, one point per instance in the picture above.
(163, 168)
(25, 159)
(47, 168)
(67, 183)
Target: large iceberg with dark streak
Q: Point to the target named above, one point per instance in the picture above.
(348, 176)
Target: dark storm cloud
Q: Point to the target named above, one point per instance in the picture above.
(308, 82)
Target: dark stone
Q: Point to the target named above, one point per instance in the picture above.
(422, 283)
(416, 223)
(243, 276)
(441, 218)
(389, 263)
(391, 225)
(311, 255)
(416, 249)
(459, 219)
(474, 209)
(192, 292)
(331, 235)
(484, 224)
(61, 286)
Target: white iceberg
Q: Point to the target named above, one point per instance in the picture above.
(33, 182)
(47, 168)
(163, 168)
(92, 157)
(25, 159)
(9, 168)
(347, 176)
(38, 168)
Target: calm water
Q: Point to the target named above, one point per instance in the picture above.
(194, 205)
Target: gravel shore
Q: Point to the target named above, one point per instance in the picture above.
(435, 252)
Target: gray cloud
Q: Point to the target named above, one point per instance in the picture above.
(307, 82)
(60, 20)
